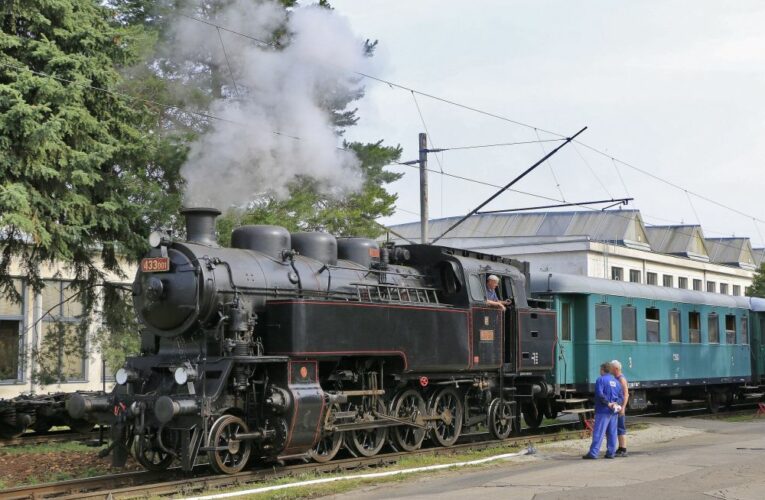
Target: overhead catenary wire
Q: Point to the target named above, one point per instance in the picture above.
(213, 117)
(496, 116)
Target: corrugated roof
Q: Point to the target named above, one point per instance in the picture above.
(622, 226)
(687, 241)
(731, 251)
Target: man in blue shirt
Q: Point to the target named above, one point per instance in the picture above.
(491, 292)
(608, 400)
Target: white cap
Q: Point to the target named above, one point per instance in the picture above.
(493, 277)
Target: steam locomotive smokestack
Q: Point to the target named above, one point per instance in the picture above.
(200, 224)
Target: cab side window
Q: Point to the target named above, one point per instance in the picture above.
(477, 288)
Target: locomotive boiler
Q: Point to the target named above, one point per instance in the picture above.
(297, 345)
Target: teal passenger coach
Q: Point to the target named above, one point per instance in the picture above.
(672, 343)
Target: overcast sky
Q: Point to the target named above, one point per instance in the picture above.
(672, 87)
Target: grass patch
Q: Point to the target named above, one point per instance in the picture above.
(313, 491)
(67, 446)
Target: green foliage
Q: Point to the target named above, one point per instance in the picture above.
(84, 174)
(758, 283)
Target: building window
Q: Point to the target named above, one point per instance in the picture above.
(724, 288)
(730, 328)
(652, 324)
(668, 280)
(634, 276)
(602, 322)
(652, 278)
(62, 350)
(629, 323)
(697, 285)
(674, 325)
(713, 325)
(737, 290)
(565, 321)
(617, 273)
(744, 330)
(12, 336)
(694, 327)
(711, 286)
(682, 283)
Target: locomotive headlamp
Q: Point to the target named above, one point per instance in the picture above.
(185, 374)
(125, 375)
(155, 239)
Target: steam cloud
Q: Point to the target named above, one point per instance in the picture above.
(240, 158)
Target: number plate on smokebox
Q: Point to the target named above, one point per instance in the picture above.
(155, 265)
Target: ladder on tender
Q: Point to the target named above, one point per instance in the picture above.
(384, 292)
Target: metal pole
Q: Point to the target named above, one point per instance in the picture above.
(423, 188)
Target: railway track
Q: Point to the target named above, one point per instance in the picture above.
(174, 482)
(145, 484)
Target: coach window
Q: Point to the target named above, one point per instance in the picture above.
(682, 283)
(62, 350)
(694, 327)
(617, 273)
(713, 326)
(629, 323)
(730, 328)
(737, 290)
(634, 276)
(744, 330)
(711, 286)
(11, 336)
(651, 278)
(668, 280)
(565, 321)
(652, 324)
(602, 322)
(674, 325)
(697, 285)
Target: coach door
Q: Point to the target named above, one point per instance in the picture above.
(487, 326)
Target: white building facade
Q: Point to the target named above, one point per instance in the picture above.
(24, 327)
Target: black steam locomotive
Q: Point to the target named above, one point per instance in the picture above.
(294, 345)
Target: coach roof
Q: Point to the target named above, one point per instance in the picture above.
(542, 283)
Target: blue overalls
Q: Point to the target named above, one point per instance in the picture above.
(607, 390)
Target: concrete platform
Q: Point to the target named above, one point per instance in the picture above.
(676, 458)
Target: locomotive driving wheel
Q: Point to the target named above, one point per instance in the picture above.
(329, 444)
(447, 405)
(148, 452)
(367, 442)
(500, 418)
(228, 455)
(410, 407)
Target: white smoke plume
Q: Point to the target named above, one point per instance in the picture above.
(272, 97)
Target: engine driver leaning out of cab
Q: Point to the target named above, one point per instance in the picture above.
(492, 281)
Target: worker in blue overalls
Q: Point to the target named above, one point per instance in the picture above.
(608, 400)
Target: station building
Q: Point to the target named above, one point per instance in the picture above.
(24, 327)
(613, 244)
